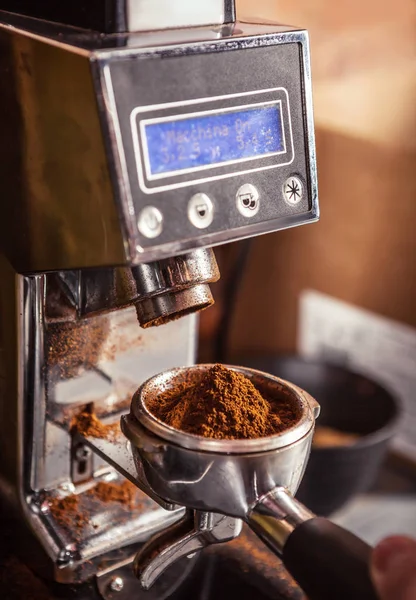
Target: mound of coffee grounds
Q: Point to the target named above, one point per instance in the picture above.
(223, 404)
(89, 425)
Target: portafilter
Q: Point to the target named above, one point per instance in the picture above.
(253, 480)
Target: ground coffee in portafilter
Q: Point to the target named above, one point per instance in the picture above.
(223, 404)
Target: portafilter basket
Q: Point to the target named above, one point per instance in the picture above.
(253, 480)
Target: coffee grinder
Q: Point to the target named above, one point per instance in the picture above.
(136, 137)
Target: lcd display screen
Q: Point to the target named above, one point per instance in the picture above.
(196, 142)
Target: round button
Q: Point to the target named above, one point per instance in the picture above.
(200, 211)
(248, 200)
(293, 190)
(150, 222)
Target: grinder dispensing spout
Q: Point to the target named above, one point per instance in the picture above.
(253, 480)
(161, 291)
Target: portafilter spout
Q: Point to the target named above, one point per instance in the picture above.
(253, 480)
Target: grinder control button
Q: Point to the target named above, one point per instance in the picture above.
(248, 200)
(200, 211)
(293, 190)
(150, 222)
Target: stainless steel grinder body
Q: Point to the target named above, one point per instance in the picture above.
(102, 222)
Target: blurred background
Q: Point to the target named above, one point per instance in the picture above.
(343, 291)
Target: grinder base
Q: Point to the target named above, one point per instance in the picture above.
(244, 568)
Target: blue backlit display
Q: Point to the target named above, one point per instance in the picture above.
(210, 139)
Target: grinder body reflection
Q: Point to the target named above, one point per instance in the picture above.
(130, 147)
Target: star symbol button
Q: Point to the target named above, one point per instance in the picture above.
(293, 190)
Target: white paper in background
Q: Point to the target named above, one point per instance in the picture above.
(365, 342)
(375, 516)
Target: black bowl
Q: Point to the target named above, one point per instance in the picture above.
(350, 403)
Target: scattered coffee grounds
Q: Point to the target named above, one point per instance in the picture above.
(66, 511)
(326, 437)
(119, 346)
(223, 404)
(17, 582)
(125, 493)
(73, 346)
(89, 425)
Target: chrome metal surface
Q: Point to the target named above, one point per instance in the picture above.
(49, 372)
(173, 305)
(162, 291)
(123, 568)
(193, 533)
(208, 481)
(275, 516)
(176, 273)
(225, 476)
(68, 335)
(117, 453)
(117, 584)
(99, 361)
(57, 188)
(106, 527)
(148, 15)
(94, 222)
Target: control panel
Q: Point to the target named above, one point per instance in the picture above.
(216, 143)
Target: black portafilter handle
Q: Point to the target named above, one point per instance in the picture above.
(327, 561)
